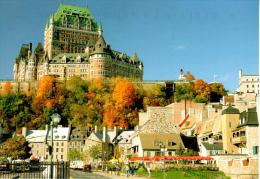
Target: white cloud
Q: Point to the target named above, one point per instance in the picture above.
(180, 47)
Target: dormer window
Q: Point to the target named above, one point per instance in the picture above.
(63, 60)
(78, 59)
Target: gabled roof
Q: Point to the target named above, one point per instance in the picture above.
(215, 146)
(159, 121)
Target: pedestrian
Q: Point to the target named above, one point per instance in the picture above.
(127, 168)
(149, 171)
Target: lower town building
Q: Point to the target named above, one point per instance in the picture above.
(39, 140)
(245, 136)
(157, 132)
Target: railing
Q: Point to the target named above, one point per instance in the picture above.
(61, 170)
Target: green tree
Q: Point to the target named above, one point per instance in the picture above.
(183, 91)
(74, 154)
(95, 151)
(16, 148)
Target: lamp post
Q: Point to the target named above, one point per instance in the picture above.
(55, 121)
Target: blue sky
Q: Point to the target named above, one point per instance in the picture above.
(205, 37)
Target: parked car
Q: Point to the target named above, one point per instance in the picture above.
(87, 168)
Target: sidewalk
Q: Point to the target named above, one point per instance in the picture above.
(122, 176)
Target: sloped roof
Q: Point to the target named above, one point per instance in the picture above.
(73, 11)
(36, 135)
(215, 146)
(148, 140)
(159, 121)
(217, 126)
(70, 58)
(207, 126)
(125, 136)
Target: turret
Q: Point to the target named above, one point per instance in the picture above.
(230, 119)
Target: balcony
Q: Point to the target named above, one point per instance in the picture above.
(239, 140)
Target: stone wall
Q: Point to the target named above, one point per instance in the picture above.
(238, 167)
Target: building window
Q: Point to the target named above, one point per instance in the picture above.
(229, 124)
(171, 143)
(57, 149)
(255, 150)
(148, 154)
(61, 149)
(61, 156)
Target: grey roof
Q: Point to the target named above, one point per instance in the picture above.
(78, 134)
(214, 146)
(70, 58)
(230, 110)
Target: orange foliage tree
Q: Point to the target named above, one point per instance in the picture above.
(124, 94)
(48, 95)
(202, 91)
(7, 88)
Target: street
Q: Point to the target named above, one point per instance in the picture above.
(74, 174)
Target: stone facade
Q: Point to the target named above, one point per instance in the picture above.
(74, 46)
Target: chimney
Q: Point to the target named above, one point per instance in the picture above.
(96, 129)
(30, 47)
(104, 134)
(24, 131)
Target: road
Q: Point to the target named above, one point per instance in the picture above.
(75, 174)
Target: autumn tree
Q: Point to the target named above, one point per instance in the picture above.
(202, 91)
(7, 88)
(16, 148)
(124, 95)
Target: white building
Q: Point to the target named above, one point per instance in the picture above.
(248, 83)
(39, 148)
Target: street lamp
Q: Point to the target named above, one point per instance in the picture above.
(54, 122)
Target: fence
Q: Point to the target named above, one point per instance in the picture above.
(61, 170)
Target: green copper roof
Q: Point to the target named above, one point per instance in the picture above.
(73, 14)
(230, 110)
(249, 116)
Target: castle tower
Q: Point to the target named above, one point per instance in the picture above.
(69, 30)
(229, 121)
(99, 59)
